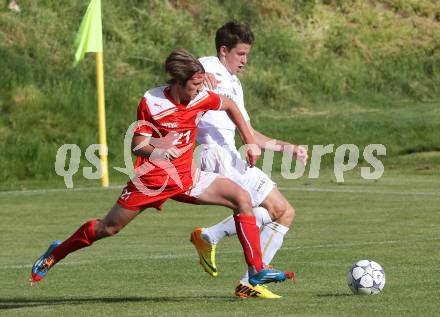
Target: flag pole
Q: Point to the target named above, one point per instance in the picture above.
(103, 149)
(89, 39)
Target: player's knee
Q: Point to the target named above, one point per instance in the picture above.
(283, 212)
(289, 214)
(111, 231)
(104, 230)
(243, 201)
(279, 208)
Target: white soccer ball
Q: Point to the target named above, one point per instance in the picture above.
(366, 277)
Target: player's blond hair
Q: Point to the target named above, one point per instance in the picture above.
(182, 65)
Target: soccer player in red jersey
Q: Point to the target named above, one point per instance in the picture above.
(163, 141)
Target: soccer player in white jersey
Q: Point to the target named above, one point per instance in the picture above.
(219, 154)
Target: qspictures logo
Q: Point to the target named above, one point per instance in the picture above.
(345, 158)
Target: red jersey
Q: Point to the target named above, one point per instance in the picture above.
(164, 115)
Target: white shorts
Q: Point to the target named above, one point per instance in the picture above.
(228, 163)
(201, 181)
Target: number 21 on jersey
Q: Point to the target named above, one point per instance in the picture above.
(184, 137)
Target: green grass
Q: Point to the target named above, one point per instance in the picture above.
(150, 268)
(321, 72)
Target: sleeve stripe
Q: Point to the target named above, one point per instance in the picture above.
(196, 102)
(164, 113)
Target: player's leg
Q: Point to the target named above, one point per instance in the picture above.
(217, 159)
(272, 233)
(273, 206)
(275, 211)
(91, 231)
(226, 227)
(224, 192)
(274, 226)
(253, 180)
(282, 214)
(95, 229)
(275, 214)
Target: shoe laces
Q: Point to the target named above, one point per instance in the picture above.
(47, 263)
(267, 267)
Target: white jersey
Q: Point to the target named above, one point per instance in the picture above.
(215, 126)
(218, 153)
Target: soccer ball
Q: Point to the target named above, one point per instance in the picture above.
(366, 277)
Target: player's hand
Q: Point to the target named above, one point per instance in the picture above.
(165, 142)
(210, 81)
(165, 147)
(298, 153)
(168, 154)
(253, 152)
(301, 154)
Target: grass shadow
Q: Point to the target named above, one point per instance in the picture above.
(14, 303)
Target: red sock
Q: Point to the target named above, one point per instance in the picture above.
(249, 237)
(83, 237)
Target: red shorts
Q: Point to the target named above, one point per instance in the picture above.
(136, 199)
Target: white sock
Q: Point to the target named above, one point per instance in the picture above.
(261, 216)
(226, 227)
(271, 240)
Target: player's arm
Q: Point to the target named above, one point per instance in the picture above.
(140, 145)
(156, 148)
(142, 142)
(267, 143)
(246, 134)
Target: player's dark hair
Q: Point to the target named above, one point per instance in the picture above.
(181, 65)
(233, 33)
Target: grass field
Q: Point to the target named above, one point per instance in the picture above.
(321, 72)
(150, 268)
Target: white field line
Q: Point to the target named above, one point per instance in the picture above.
(58, 190)
(194, 255)
(292, 188)
(359, 190)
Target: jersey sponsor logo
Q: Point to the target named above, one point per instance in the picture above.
(169, 124)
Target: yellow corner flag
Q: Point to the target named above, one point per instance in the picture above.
(89, 37)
